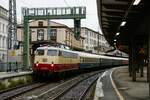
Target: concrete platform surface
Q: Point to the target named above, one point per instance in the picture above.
(4, 75)
(104, 87)
(130, 90)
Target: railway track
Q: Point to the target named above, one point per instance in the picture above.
(7, 95)
(77, 86)
(49, 90)
(78, 91)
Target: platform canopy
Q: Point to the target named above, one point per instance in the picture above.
(136, 19)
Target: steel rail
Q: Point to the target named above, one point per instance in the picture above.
(6, 95)
(74, 85)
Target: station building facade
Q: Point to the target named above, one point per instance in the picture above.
(59, 33)
(3, 33)
(89, 40)
(94, 41)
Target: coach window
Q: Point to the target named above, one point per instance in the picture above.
(52, 53)
(95, 60)
(40, 52)
(91, 60)
(86, 60)
(75, 55)
(81, 59)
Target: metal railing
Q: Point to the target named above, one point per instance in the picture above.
(7, 67)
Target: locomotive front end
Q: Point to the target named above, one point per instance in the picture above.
(45, 60)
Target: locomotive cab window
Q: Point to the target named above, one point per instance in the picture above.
(40, 52)
(52, 53)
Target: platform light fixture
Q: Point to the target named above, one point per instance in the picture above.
(117, 33)
(115, 40)
(123, 23)
(136, 2)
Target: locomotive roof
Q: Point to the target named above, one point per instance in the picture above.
(55, 48)
(84, 54)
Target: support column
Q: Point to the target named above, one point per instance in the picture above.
(77, 28)
(26, 60)
(149, 60)
(133, 54)
(130, 61)
(141, 57)
(48, 30)
(147, 65)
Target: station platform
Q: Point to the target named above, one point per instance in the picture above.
(130, 90)
(5, 75)
(115, 84)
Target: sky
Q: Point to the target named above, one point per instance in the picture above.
(91, 20)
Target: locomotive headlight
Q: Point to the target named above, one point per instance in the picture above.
(37, 64)
(52, 65)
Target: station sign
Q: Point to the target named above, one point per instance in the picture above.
(13, 56)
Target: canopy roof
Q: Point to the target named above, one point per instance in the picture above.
(112, 13)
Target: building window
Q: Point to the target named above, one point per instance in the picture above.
(40, 34)
(53, 32)
(86, 41)
(87, 47)
(6, 43)
(3, 27)
(86, 32)
(3, 43)
(0, 27)
(94, 35)
(40, 24)
(0, 42)
(94, 42)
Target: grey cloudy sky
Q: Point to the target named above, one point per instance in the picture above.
(91, 20)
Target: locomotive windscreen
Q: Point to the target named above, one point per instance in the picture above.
(40, 52)
(52, 53)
